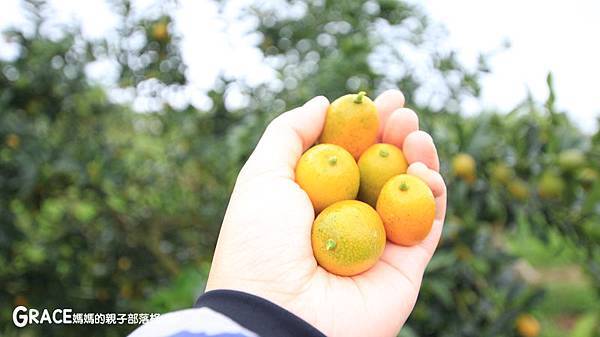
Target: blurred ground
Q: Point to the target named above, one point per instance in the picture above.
(571, 305)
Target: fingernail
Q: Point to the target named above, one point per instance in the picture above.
(397, 94)
(317, 100)
(418, 165)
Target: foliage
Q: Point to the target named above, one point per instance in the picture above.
(105, 209)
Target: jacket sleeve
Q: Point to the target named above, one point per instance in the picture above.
(197, 322)
(228, 313)
(257, 314)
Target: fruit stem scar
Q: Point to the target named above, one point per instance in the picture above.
(403, 186)
(332, 160)
(359, 97)
(383, 153)
(330, 244)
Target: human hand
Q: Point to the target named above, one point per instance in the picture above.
(264, 246)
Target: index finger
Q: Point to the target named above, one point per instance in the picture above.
(386, 103)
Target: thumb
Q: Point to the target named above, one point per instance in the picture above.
(285, 139)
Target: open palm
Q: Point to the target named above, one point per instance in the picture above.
(264, 247)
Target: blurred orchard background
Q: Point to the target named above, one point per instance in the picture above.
(119, 147)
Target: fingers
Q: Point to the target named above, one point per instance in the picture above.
(386, 103)
(285, 139)
(411, 261)
(420, 152)
(419, 147)
(436, 183)
(432, 178)
(399, 125)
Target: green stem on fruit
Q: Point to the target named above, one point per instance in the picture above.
(333, 160)
(383, 153)
(403, 186)
(359, 97)
(330, 244)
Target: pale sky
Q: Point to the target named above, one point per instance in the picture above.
(559, 36)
